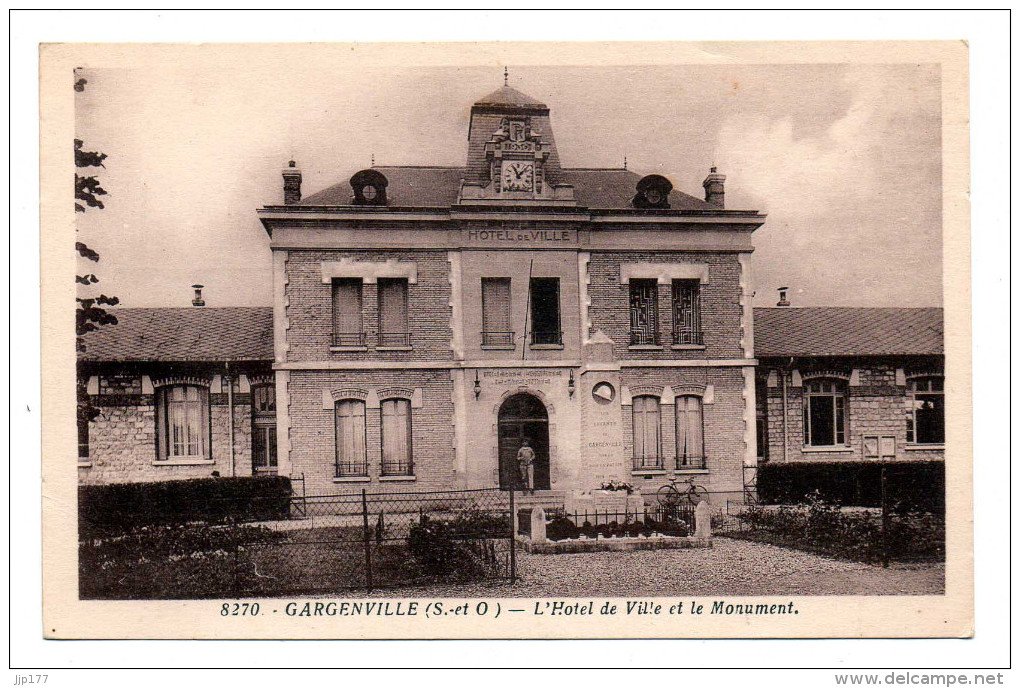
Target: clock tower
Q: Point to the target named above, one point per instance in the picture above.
(512, 155)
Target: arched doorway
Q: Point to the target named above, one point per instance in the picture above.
(521, 417)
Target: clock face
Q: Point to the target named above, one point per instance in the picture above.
(518, 176)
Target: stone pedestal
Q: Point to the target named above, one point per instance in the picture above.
(538, 525)
(702, 520)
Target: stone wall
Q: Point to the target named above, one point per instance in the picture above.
(312, 430)
(309, 310)
(721, 310)
(122, 438)
(877, 405)
(723, 415)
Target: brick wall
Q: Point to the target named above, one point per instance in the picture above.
(723, 423)
(310, 307)
(877, 406)
(720, 304)
(122, 438)
(313, 443)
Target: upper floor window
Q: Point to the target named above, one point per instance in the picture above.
(687, 312)
(690, 433)
(545, 310)
(83, 439)
(182, 423)
(644, 311)
(496, 328)
(393, 329)
(647, 433)
(926, 422)
(825, 416)
(263, 432)
(396, 437)
(348, 328)
(350, 438)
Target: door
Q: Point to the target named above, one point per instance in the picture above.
(523, 417)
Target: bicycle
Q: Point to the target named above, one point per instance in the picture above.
(670, 496)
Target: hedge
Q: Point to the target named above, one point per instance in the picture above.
(910, 485)
(122, 506)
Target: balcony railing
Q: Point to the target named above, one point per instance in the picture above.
(497, 339)
(539, 337)
(688, 336)
(348, 339)
(351, 469)
(690, 463)
(394, 339)
(397, 467)
(639, 337)
(649, 463)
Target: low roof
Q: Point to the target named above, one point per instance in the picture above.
(183, 334)
(409, 186)
(832, 331)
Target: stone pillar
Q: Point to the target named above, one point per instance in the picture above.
(538, 525)
(703, 520)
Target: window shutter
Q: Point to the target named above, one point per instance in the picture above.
(350, 437)
(396, 436)
(393, 306)
(644, 312)
(646, 427)
(496, 304)
(347, 306)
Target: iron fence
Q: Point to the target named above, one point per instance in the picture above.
(330, 544)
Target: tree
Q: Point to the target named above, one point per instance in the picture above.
(90, 314)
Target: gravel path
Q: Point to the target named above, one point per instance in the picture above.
(730, 567)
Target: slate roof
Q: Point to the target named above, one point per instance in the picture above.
(832, 331)
(183, 334)
(505, 95)
(434, 187)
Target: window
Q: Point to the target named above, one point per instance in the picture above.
(825, 417)
(83, 439)
(690, 433)
(348, 329)
(644, 311)
(393, 330)
(647, 433)
(545, 310)
(350, 438)
(687, 312)
(263, 433)
(496, 330)
(926, 422)
(182, 418)
(396, 437)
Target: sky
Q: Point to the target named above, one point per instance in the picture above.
(844, 159)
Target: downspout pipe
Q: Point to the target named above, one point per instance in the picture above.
(230, 420)
(786, 438)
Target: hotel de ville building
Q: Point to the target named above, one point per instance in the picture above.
(429, 321)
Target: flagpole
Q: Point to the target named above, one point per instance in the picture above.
(527, 310)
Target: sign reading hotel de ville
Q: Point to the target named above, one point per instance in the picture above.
(518, 238)
(508, 363)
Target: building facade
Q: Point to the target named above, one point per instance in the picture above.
(850, 384)
(428, 322)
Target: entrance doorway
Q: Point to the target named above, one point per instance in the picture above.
(521, 417)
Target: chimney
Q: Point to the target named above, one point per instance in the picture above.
(714, 188)
(291, 184)
(197, 301)
(782, 297)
